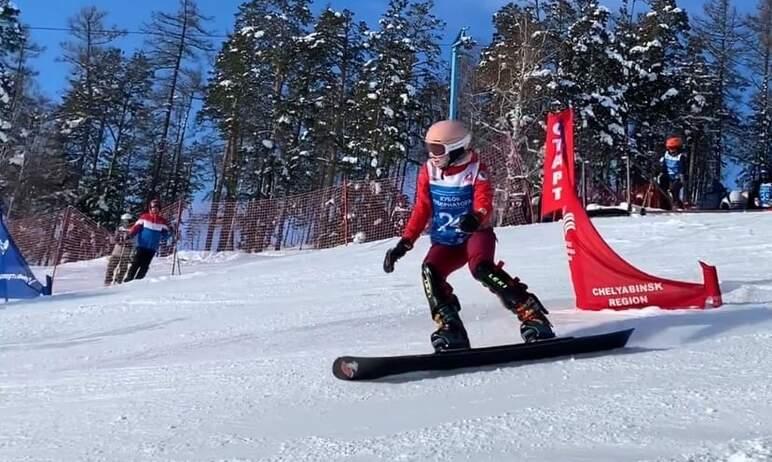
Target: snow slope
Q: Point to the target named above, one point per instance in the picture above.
(231, 361)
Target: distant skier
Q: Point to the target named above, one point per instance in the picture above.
(150, 229)
(673, 165)
(454, 192)
(122, 253)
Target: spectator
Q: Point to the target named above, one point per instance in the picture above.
(150, 229)
(673, 164)
(400, 214)
(122, 253)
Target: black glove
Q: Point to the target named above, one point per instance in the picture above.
(469, 223)
(392, 255)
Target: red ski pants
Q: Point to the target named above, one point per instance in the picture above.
(445, 259)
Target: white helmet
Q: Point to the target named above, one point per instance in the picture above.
(447, 141)
(127, 217)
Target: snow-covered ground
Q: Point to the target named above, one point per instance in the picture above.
(232, 360)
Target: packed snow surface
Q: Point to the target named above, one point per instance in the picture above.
(231, 361)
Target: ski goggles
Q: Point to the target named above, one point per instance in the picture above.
(439, 150)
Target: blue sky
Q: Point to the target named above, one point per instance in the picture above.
(131, 14)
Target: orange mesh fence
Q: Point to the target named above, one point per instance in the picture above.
(60, 237)
(512, 199)
(352, 212)
(358, 211)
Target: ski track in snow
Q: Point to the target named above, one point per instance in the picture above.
(231, 361)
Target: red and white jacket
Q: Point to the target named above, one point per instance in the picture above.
(445, 195)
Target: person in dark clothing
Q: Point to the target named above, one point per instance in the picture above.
(673, 164)
(151, 229)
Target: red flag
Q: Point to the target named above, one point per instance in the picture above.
(558, 161)
(601, 278)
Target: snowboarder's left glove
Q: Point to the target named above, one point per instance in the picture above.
(469, 223)
(392, 255)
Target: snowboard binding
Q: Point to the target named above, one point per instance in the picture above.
(514, 295)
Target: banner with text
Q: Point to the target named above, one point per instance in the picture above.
(601, 278)
(558, 161)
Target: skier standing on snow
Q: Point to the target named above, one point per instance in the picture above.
(453, 190)
(121, 256)
(673, 165)
(150, 229)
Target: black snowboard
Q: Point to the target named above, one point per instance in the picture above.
(367, 368)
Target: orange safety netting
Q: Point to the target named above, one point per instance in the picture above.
(354, 211)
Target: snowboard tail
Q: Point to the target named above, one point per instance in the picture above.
(369, 368)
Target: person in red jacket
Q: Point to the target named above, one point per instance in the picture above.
(151, 229)
(455, 193)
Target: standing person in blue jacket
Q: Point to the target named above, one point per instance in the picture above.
(150, 229)
(673, 165)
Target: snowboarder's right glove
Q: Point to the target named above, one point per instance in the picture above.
(392, 255)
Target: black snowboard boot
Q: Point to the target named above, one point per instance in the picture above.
(515, 297)
(450, 333)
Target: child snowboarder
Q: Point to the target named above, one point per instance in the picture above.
(453, 190)
(673, 169)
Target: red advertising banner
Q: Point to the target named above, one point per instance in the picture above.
(601, 278)
(558, 161)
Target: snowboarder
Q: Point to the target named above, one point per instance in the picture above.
(454, 191)
(150, 229)
(673, 165)
(122, 253)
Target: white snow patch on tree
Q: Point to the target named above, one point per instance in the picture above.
(268, 144)
(670, 93)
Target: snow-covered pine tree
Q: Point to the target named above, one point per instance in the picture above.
(401, 52)
(128, 147)
(720, 31)
(278, 30)
(176, 41)
(88, 104)
(511, 86)
(655, 53)
(592, 81)
(38, 171)
(11, 42)
(236, 102)
(333, 64)
(759, 131)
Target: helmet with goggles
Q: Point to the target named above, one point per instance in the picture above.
(446, 142)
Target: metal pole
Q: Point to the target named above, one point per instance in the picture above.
(62, 237)
(629, 186)
(177, 226)
(454, 77)
(584, 184)
(345, 210)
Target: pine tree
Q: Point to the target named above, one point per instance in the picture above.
(721, 33)
(759, 43)
(654, 50)
(177, 39)
(511, 84)
(591, 78)
(401, 52)
(11, 42)
(85, 113)
(334, 64)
